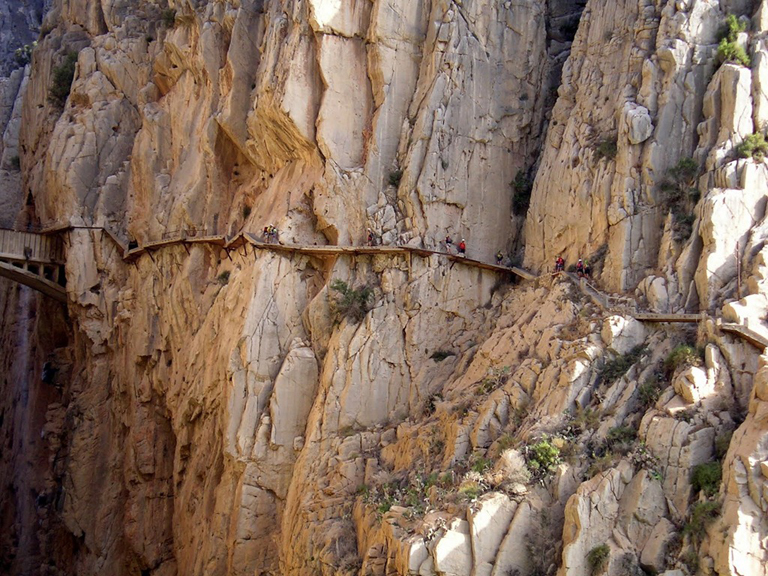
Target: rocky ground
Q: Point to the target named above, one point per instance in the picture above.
(263, 413)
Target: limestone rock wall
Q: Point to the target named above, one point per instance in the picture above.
(372, 115)
(642, 90)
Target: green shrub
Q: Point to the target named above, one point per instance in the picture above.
(706, 478)
(542, 457)
(680, 195)
(607, 148)
(480, 464)
(620, 439)
(521, 199)
(691, 559)
(728, 50)
(168, 17)
(15, 163)
(494, 378)
(753, 146)
(223, 278)
(702, 515)
(583, 420)
(597, 558)
(722, 443)
(732, 52)
(614, 369)
(470, 490)
(394, 178)
(350, 302)
(246, 211)
(682, 356)
(440, 355)
(649, 391)
(63, 75)
(601, 463)
(733, 27)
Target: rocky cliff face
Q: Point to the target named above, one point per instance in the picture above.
(228, 412)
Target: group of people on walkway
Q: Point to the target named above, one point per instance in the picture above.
(583, 269)
(461, 247)
(270, 234)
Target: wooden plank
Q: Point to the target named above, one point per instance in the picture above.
(745, 333)
(33, 281)
(655, 317)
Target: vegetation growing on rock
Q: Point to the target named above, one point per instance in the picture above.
(63, 75)
(754, 146)
(348, 302)
(729, 50)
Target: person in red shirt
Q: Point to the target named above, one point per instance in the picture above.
(462, 248)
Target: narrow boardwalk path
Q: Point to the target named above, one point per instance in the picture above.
(37, 260)
(34, 260)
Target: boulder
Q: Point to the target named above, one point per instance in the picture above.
(488, 522)
(453, 551)
(622, 333)
(654, 552)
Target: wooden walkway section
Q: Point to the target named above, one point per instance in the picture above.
(757, 340)
(37, 260)
(34, 260)
(654, 317)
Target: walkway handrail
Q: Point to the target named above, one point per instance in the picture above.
(44, 248)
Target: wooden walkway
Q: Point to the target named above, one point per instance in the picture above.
(34, 260)
(757, 340)
(654, 317)
(37, 260)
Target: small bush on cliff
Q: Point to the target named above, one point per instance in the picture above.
(168, 17)
(682, 356)
(621, 439)
(681, 194)
(597, 558)
(729, 50)
(754, 146)
(542, 457)
(223, 278)
(63, 75)
(607, 148)
(495, 377)
(440, 355)
(702, 515)
(650, 390)
(706, 478)
(394, 178)
(722, 443)
(352, 303)
(614, 369)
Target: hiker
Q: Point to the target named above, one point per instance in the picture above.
(370, 237)
(448, 245)
(266, 234)
(463, 248)
(580, 268)
(559, 264)
(499, 258)
(587, 268)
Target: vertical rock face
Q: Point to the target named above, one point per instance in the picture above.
(212, 411)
